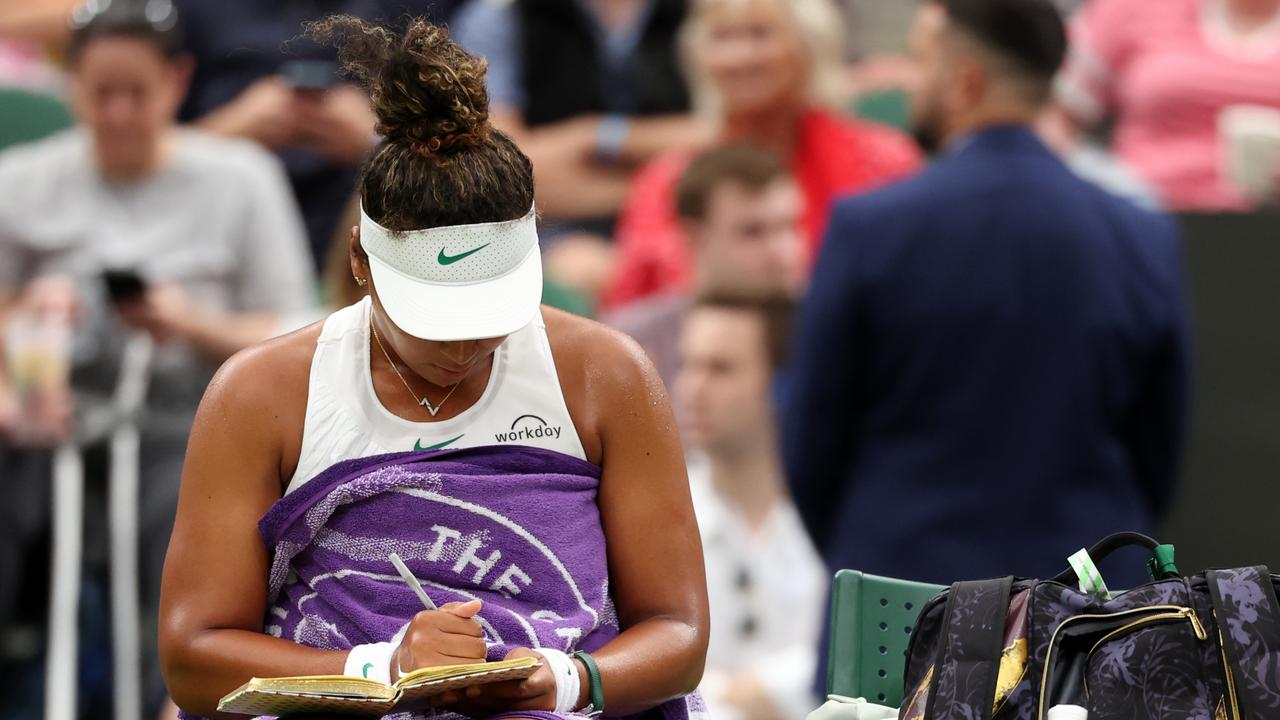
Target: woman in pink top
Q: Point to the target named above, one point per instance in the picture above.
(1166, 71)
(768, 70)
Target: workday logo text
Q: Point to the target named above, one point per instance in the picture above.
(529, 427)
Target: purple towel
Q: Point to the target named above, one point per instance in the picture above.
(518, 528)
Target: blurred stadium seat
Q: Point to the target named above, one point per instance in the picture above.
(29, 116)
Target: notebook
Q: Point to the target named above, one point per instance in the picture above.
(359, 696)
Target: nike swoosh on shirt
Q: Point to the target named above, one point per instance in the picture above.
(417, 445)
(451, 259)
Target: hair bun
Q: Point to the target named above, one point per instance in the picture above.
(427, 91)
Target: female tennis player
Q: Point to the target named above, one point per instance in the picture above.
(523, 462)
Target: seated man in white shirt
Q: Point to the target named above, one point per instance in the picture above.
(765, 581)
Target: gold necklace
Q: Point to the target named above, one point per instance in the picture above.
(433, 409)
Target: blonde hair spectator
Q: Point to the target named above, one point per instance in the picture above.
(818, 34)
(766, 73)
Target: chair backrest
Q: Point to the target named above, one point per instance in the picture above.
(872, 619)
(27, 116)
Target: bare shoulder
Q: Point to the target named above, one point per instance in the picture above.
(610, 386)
(259, 395)
(266, 371)
(600, 354)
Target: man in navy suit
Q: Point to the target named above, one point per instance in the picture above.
(991, 369)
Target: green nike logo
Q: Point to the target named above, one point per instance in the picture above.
(417, 445)
(367, 668)
(451, 259)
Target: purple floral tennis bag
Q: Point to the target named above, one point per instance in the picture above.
(1199, 647)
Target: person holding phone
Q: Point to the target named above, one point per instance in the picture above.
(130, 224)
(256, 78)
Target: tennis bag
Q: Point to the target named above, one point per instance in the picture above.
(1199, 647)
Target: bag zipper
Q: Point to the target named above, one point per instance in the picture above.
(1183, 614)
(1163, 613)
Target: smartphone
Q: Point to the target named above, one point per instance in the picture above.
(124, 285)
(310, 75)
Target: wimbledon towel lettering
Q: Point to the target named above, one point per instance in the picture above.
(569, 634)
(443, 535)
(509, 581)
(468, 557)
(535, 433)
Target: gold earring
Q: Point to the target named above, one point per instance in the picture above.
(359, 280)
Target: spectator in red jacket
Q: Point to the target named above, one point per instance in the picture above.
(769, 72)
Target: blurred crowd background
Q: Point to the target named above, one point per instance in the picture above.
(177, 183)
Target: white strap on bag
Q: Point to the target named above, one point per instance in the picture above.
(839, 707)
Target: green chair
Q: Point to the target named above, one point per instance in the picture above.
(27, 116)
(871, 621)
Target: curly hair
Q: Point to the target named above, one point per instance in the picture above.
(440, 162)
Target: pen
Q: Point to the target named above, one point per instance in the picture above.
(412, 582)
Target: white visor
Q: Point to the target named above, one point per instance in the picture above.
(459, 282)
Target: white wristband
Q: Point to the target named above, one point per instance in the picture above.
(568, 683)
(372, 661)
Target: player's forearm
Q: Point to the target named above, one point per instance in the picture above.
(202, 667)
(654, 661)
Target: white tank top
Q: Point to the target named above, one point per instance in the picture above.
(522, 404)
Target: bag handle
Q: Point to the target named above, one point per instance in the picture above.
(971, 646)
(1161, 566)
(1248, 619)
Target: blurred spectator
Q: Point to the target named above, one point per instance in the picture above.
(255, 78)
(36, 20)
(591, 90)
(992, 364)
(740, 211)
(883, 74)
(196, 240)
(767, 71)
(1166, 73)
(27, 29)
(23, 65)
(1093, 163)
(765, 582)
